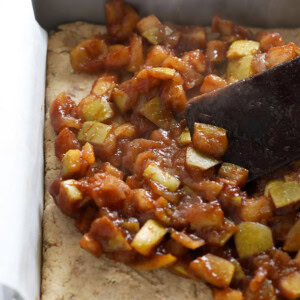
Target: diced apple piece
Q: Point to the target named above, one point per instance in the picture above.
(125, 131)
(212, 82)
(110, 169)
(117, 56)
(252, 238)
(265, 291)
(213, 269)
(257, 209)
(174, 96)
(108, 235)
(197, 59)
(136, 55)
(235, 173)
(187, 240)
(155, 173)
(190, 76)
(285, 193)
(72, 192)
(151, 29)
(70, 198)
(94, 132)
(239, 274)
(158, 72)
(156, 56)
(236, 201)
(192, 37)
(196, 159)
(121, 19)
(278, 55)
(185, 137)
(209, 189)
(269, 39)
(62, 113)
(292, 242)
(205, 215)
(132, 225)
(88, 153)
(188, 191)
(154, 111)
(290, 285)
(242, 48)
(149, 236)
(219, 238)
(227, 294)
(240, 68)
(157, 262)
(216, 50)
(65, 141)
(103, 86)
(142, 200)
(270, 185)
(210, 139)
(89, 244)
(88, 55)
(71, 163)
(97, 110)
(121, 99)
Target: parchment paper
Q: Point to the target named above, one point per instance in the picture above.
(22, 75)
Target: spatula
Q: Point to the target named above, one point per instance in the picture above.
(261, 115)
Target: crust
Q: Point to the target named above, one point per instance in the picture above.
(68, 271)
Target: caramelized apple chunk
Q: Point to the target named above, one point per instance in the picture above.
(290, 285)
(227, 294)
(213, 269)
(242, 48)
(212, 82)
(108, 235)
(154, 111)
(153, 172)
(121, 19)
(136, 55)
(63, 114)
(94, 132)
(89, 55)
(252, 238)
(285, 193)
(93, 108)
(196, 159)
(292, 242)
(148, 237)
(234, 173)
(280, 54)
(65, 141)
(210, 139)
(240, 68)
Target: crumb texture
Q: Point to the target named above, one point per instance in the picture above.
(68, 271)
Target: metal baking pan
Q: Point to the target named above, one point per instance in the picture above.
(260, 13)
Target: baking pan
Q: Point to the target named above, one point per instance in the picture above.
(50, 13)
(260, 13)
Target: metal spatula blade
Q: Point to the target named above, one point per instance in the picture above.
(261, 115)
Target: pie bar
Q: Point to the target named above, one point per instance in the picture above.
(157, 213)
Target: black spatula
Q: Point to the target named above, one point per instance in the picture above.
(261, 115)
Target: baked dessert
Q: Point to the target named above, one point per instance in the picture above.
(68, 270)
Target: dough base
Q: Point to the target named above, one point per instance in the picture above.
(68, 271)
